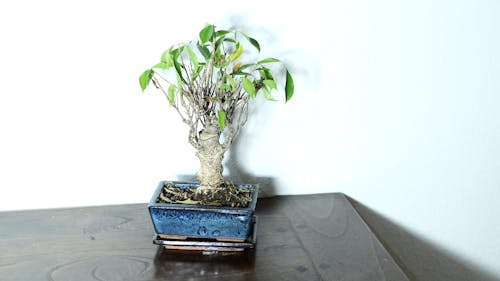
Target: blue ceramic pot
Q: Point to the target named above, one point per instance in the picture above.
(224, 223)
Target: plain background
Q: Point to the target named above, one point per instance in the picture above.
(396, 105)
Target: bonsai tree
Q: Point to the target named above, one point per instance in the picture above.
(210, 83)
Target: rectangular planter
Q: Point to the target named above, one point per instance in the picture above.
(183, 220)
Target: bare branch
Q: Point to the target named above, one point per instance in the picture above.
(235, 127)
(174, 105)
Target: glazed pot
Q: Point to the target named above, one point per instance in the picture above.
(185, 221)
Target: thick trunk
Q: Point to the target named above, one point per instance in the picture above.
(210, 154)
(213, 189)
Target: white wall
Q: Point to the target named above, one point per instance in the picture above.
(396, 105)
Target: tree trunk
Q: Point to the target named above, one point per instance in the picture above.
(210, 154)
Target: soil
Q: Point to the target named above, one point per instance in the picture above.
(226, 195)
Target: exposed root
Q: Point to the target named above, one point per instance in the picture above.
(227, 195)
(166, 199)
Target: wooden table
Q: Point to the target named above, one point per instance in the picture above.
(307, 237)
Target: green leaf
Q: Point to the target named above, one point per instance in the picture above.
(248, 87)
(231, 81)
(268, 60)
(218, 43)
(204, 51)
(178, 69)
(207, 33)
(263, 75)
(221, 32)
(267, 95)
(222, 118)
(224, 86)
(161, 65)
(240, 68)
(245, 66)
(166, 57)
(180, 81)
(267, 74)
(254, 43)
(145, 78)
(176, 52)
(171, 94)
(192, 57)
(289, 87)
(230, 40)
(241, 73)
(197, 72)
(270, 84)
(237, 53)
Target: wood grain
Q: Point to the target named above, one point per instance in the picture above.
(312, 237)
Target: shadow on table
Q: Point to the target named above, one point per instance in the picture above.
(195, 264)
(419, 259)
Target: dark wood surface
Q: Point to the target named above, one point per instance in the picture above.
(307, 237)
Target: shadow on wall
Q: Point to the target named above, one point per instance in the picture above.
(237, 174)
(420, 260)
(299, 61)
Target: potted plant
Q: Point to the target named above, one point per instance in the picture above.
(210, 83)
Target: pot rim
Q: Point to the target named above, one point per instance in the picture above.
(195, 207)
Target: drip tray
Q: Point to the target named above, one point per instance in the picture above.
(207, 245)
